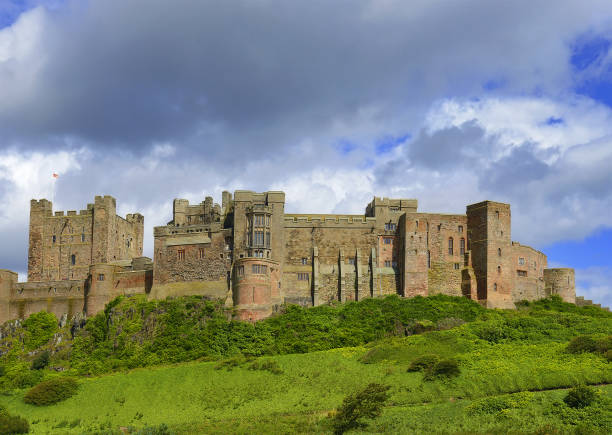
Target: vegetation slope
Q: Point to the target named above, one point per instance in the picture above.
(290, 372)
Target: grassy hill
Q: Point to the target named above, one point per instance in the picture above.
(287, 374)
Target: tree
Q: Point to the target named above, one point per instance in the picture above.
(366, 403)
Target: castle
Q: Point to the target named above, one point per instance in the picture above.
(252, 254)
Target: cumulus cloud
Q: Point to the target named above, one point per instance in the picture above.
(198, 97)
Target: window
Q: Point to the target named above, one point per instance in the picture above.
(303, 276)
(495, 286)
(450, 246)
(499, 252)
(387, 240)
(387, 263)
(460, 228)
(267, 221)
(428, 260)
(259, 220)
(394, 264)
(259, 238)
(181, 254)
(498, 269)
(53, 239)
(221, 256)
(521, 272)
(416, 223)
(304, 260)
(462, 246)
(390, 227)
(201, 253)
(521, 261)
(260, 269)
(189, 219)
(73, 259)
(496, 214)
(101, 277)
(351, 260)
(82, 237)
(240, 270)
(456, 265)
(267, 239)
(128, 243)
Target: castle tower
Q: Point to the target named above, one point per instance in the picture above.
(104, 212)
(561, 282)
(39, 211)
(489, 239)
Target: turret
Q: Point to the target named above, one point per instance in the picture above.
(39, 211)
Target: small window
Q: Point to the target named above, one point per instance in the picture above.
(496, 214)
(521, 272)
(82, 237)
(428, 260)
(260, 269)
(450, 246)
(456, 266)
(394, 264)
(495, 286)
(201, 253)
(498, 269)
(390, 227)
(460, 229)
(499, 252)
(521, 261)
(304, 260)
(303, 276)
(387, 240)
(387, 263)
(101, 277)
(267, 239)
(462, 246)
(73, 259)
(351, 260)
(128, 243)
(221, 256)
(53, 239)
(181, 254)
(416, 223)
(240, 270)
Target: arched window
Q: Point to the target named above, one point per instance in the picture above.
(73, 259)
(450, 246)
(462, 246)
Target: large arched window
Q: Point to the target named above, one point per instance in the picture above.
(450, 246)
(462, 246)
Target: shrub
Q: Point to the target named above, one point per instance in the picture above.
(604, 344)
(40, 328)
(366, 403)
(51, 391)
(445, 368)
(449, 323)
(13, 424)
(580, 396)
(608, 355)
(270, 366)
(582, 343)
(495, 404)
(26, 378)
(41, 361)
(162, 429)
(424, 362)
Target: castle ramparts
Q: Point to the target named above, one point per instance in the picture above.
(248, 252)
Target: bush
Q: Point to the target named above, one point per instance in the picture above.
(40, 328)
(604, 344)
(366, 403)
(13, 424)
(52, 391)
(445, 368)
(162, 429)
(424, 362)
(580, 397)
(581, 344)
(270, 366)
(608, 355)
(41, 361)
(26, 378)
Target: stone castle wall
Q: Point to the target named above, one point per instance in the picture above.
(250, 253)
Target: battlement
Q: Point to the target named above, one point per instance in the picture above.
(135, 218)
(106, 200)
(328, 220)
(268, 197)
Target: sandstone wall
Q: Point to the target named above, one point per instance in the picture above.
(529, 265)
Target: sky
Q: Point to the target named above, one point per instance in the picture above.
(333, 102)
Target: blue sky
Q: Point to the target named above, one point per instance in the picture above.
(332, 102)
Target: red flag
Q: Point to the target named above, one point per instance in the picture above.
(55, 175)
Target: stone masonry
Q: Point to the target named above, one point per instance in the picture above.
(252, 254)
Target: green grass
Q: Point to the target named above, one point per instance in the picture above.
(204, 397)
